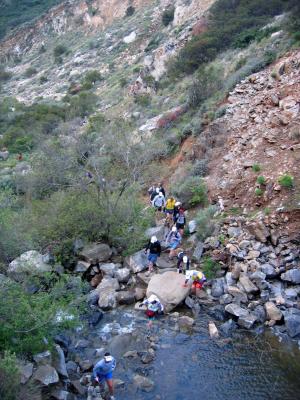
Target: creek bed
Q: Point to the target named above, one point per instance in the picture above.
(190, 365)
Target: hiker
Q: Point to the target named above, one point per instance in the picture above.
(154, 248)
(154, 194)
(103, 372)
(169, 209)
(159, 202)
(154, 306)
(173, 240)
(183, 263)
(180, 221)
(197, 279)
(161, 189)
(177, 207)
(151, 190)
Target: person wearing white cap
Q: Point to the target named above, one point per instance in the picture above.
(183, 263)
(154, 306)
(173, 240)
(154, 248)
(103, 372)
(196, 278)
(159, 202)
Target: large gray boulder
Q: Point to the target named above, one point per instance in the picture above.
(292, 322)
(269, 271)
(273, 313)
(158, 231)
(142, 383)
(217, 288)
(95, 251)
(28, 264)
(168, 287)
(59, 362)
(236, 310)
(293, 276)
(198, 251)
(123, 275)
(46, 375)
(248, 286)
(107, 293)
(247, 321)
(26, 371)
(137, 262)
(109, 269)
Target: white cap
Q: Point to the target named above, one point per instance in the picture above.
(185, 259)
(152, 298)
(153, 239)
(174, 229)
(157, 190)
(108, 358)
(177, 203)
(160, 194)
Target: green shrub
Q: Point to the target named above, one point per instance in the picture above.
(90, 79)
(261, 180)
(205, 222)
(210, 267)
(258, 192)
(168, 15)
(59, 50)
(30, 72)
(9, 377)
(123, 82)
(200, 168)
(143, 100)
(286, 181)
(256, 168)
(191, 191)
(154, 42)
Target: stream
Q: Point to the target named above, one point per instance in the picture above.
(190, 365)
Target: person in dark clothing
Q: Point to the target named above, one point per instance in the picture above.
(183, 263)
(154, 248)
(161, 189)
(176, 210)
(180, 221)
(154, 194)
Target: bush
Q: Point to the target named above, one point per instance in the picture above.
(210, 267)
(205, 222)
(286, 181)
(168, 15)
(30, 72)
(261, 180)
(258, 192)
(129, 11)
(200, 168)
(256, 168)
(9, 376)
(90, 79)
(143, 100)
(123, 82)
(59, 50)
(191, 191)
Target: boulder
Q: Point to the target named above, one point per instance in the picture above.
(238, 295)
(95, 252)
(260, 313)
(137, 262)
(46, 375)
(130, 38)
(125, 297)
(247, 321)
(235, 271)
(59, 362)
(81, 267)
(168, 287)
(95, 318)
(198, 251)
(43, 358)
(108, 283)
(259, 230)
(268, 270)
(109, 269)
(213, 330)
(123, 275)
(247, 284)
(226, 299)
(29, 263)
(59, 394)
(217, 288)
(158, 231)
(139, 293)
(107, 299)
(236, 310)
(192, 225)
(292, 323)
(273, 313)
(163, 262)
(292, 276)
(26, 371)
(148, 356)
(234, 231)
(142, 383)
(228, 327)
(185, 321)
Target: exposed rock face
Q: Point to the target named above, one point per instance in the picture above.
(95, 252)
(46, 375)
(137, 262)
(29, 263)
(168, 287)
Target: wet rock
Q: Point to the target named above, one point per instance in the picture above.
(213, 331)
(236, 310)
(260, 313)
(131, 354)
(95, 318)
(228, 327)
(185, 321)
(59, 362)
(247, 284)
(148, 357)
(46, 375)
(292, 322)
(189, 301)
(43, 358)
(123, 275)
(273, 313)
(217, 313)
(168, 287)
(142, 383)
(137, 262)
(28, 264)
(95, 252)
(25, 372)
(217, 288)
(125, 297)
(293, 276)
(198, 251)
(247, 321)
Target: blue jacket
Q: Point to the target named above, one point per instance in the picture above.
(103, 368)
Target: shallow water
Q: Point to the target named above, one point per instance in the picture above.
(192, 366)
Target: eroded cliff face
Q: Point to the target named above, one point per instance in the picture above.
(83, 16)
